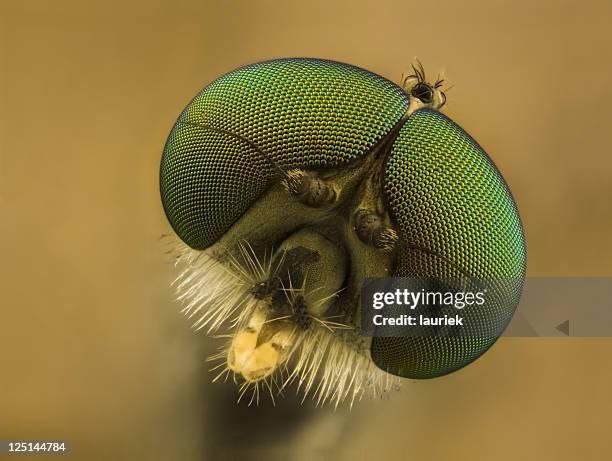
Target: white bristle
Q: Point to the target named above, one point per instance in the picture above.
(325, 361)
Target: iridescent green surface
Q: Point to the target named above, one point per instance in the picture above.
(452, 209)
(447, 196)
(305, 113)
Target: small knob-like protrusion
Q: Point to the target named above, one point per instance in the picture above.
(371, 230)
(309, 189)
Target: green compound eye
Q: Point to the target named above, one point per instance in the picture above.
(291, 181)
(446, 195)
(295, 113)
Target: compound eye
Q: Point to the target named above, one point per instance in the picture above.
(423, 91)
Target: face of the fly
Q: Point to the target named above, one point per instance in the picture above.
(289, 182)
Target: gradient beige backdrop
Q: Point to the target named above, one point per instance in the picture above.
(92, 349)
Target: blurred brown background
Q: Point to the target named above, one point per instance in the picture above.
(92, 349)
